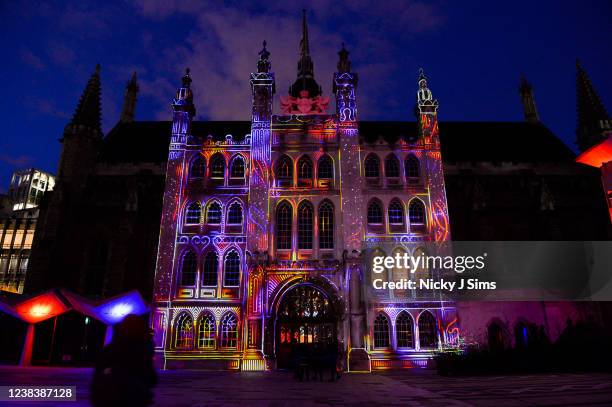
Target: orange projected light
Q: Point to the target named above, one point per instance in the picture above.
(597, 155)
(41, 307)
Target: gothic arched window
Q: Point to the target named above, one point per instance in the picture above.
(206, 331)
(237, 167)
(396, 212)
(284, 168)
(284, 217)
(326, 225)
(305, 225)
(217, 166)
(183, 328)
(404, 330)
(210, 270)
(231, 270)
(213, 213)
(325, 168)
(193, 213)
(412, 167)
(189, 269)
(304, 166)
(416, 212)
(372, 166)
(198, 167)
(381, 331)
(234, 214)
(229, 331)
(375, 213)
(427, 330)
(392, 167)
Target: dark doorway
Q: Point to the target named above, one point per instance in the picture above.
(305, 319)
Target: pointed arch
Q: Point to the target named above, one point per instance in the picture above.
(416, 212)
(381, 331)
(404, 330)
(284, 168)
(213, 212)
(326, 224)
(375, 212)
(210, 269)
(189, 268)
(372, 166)
(395, 212)
(217, 166)
(231, 269)
(183, 331)
(207, 331)
(237, 166)
(193, 213)
(234, 213)
(304, 168)
(284, 220)
(229, 331)
(392, 166)
(305, 220)
(412, 167)
(197, 169)
(325, 167)
(428, 337)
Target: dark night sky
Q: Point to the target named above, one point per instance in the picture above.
(473, 53)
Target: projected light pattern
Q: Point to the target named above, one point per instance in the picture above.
(303, 199)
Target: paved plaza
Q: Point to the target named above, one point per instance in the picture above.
(402, 388)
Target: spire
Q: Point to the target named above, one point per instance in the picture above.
(129, 100)
(184, 96)
(426, 104)
(593, 119)
(305, 79)
(528, 99)
(263, 65)
(344, 65)
(88, 111)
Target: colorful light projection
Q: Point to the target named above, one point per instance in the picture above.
(41, 307)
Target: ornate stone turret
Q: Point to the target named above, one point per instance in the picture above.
(345, 83)
(593, 118)
(129, 100)
(529, 105)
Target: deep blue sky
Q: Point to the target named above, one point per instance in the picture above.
(473, 53)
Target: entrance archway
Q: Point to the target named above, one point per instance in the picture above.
(305, 319)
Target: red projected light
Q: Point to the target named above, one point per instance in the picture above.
(597, 155)
(41, 307)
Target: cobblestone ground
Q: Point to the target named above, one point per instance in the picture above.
(405, 388)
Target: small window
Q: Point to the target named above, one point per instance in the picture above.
(404, 329)
(325, 168)
(213, 214)
(372, 166)
(189, 269)
(217, 167)
(381, 331)
(234, 215)
(412, 167)
(396, 213)
(427, 330)
(305, 225)
(416, 212)
(284, 215)
(209, 273)
(375, 213)
(198, 167)
(184, 332)
(231, 272)
(284, 168)
(304, 168)
(237, 170)
(326, 225)
(392, 169)
(229, 331)
(193, 213)
(206, 331)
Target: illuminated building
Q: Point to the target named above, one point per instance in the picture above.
(263, 221)
(19, 224)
